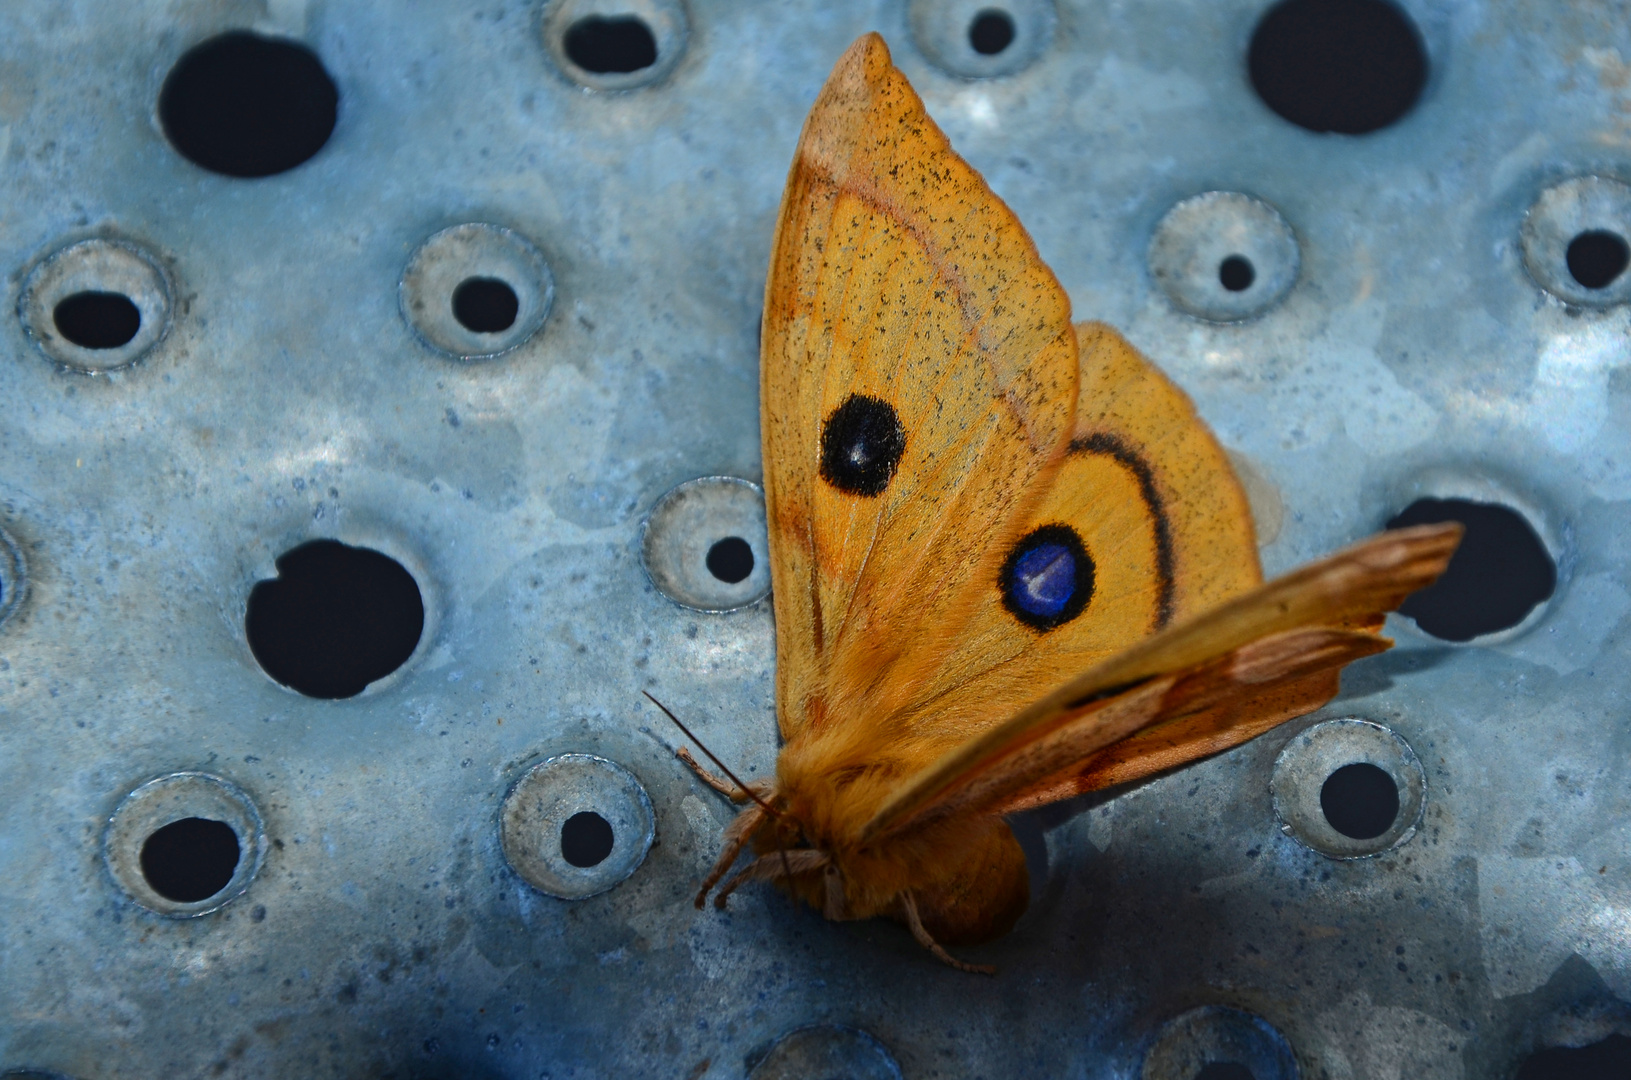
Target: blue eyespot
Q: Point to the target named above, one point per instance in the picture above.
(1047, 578)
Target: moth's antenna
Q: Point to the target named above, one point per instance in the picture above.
(766, 807)
(787, 868)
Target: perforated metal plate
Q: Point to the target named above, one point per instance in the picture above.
(1416, 352)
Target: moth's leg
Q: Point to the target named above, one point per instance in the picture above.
(759, 868)
(724, 787)
(737, 835)
(909, 904)
(783, 864)
(834, 906)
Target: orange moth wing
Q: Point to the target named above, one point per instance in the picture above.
(912, 384)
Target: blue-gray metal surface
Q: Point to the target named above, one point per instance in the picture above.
(289, 399)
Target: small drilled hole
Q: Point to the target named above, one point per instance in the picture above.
(586, 839)
(1606, 1060)
(191, 859)
(1224, 1070)
(608, 46)
(1236, 273)
(335, 619)
(485, 305)
(730, 560)
(97, 320)
(1597, 257)
(1349, 66)
(1360, 801)
(1496, 577)
(244, 105)
(991, 32)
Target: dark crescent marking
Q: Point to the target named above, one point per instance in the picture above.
(1113, 447)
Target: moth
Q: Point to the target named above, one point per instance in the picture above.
(1009, 562)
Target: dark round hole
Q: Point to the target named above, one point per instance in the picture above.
(191, 859)
(1348, 66)
(1224, 1070)
(1236, 273)
(607, 46)
(730, 560)
(1597, 257)
(97, 320)
(1497, 576)
(991, 32)
(1360, 801)
(334, 619)
(1606, 1060)
(586, 839)
(245, 105)
(485, 305)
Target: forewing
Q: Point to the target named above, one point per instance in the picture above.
(1241, 716)
(907, 316)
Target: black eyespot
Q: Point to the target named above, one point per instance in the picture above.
(1047, 579)
(861, 444)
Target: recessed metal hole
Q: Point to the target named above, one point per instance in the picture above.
(1360, 801)
(1576, 241)
(485, 305)
(1224, 1070)
(610, 45)
(1219, 1043)
(248, 106)
(982, 39)
(1498, 575)
(586, 839)
(704, 544)
(476, 291)
(1606, 1060)
(730, 560)
(1597, 257)
(1236, 274)
(185, 844)
(1346, 66)
(1348, 788)
(826, 1050)
(575, 825)
(97, 305)
(13, 576)
(191, 859)
(991, 32)
(335, 619)
(1224, 256)
(97, 320)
